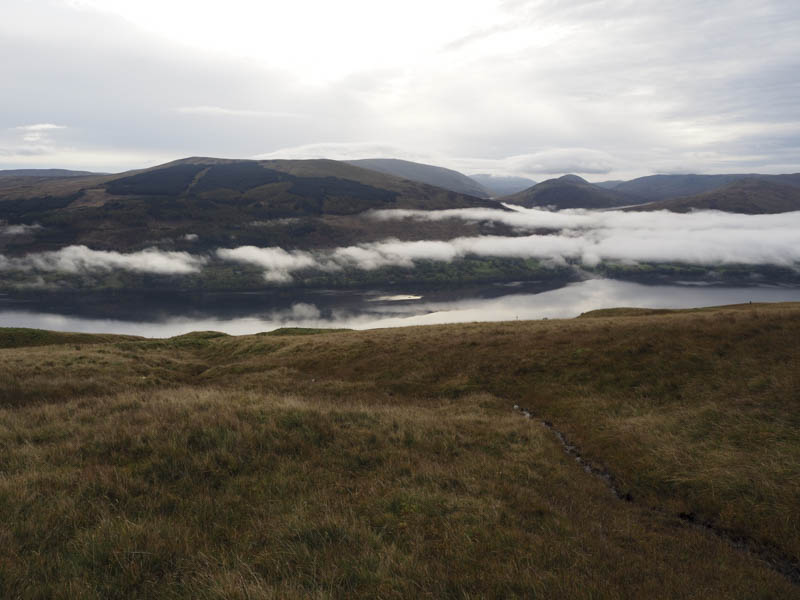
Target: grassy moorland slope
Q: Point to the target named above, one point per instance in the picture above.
(390, 464)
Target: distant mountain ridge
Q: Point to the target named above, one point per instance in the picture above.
(500, 185)
(424, 173)
(746, 196)
(664, 187)
(569, 191)
(749, 194)
(45, 173)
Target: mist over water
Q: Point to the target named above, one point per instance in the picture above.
(359, 310)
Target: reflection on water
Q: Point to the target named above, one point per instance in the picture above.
(243, 314)
(395, 298)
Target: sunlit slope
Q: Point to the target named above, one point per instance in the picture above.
(390, 462)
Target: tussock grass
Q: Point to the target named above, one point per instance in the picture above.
(389, 463)
(202, 492)
(302, 331)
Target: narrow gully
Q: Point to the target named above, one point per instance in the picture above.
(773, 557)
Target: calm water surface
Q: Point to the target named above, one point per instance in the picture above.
(166, 315)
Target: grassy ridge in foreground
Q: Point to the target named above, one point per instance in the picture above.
(388, 463)
(19, 337)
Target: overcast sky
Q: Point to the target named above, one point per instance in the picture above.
(605, 89)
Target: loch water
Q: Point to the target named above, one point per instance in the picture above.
(165, 314)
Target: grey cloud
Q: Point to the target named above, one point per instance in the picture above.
(38, 132)
(121, 92)
(219, 111)
(596, 87)
(25, 151)
(556, 160)
(40, 127)
(346, 151)
(648, 80)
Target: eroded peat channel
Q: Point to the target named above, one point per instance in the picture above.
(773, 557)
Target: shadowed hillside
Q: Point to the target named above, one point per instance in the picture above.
(666, 187)
(220, 202)
(748, 196)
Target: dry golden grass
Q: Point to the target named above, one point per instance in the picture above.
(389, 463)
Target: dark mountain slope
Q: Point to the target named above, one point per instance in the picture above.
(748, 196)
(422, 173)
(664, 187)
(220, 202)
(569, 191)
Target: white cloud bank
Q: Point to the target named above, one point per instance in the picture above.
(585, 237)
(278, 264)
(77, 259)
(589, 237)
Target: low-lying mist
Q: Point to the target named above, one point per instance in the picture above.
(76, 259)
(586, 237)
(580, 237)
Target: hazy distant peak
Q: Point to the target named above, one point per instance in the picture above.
(570, 191)
(44, 173)
(749, 195)
(502, 185)
(424, 173)
(572, 179)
